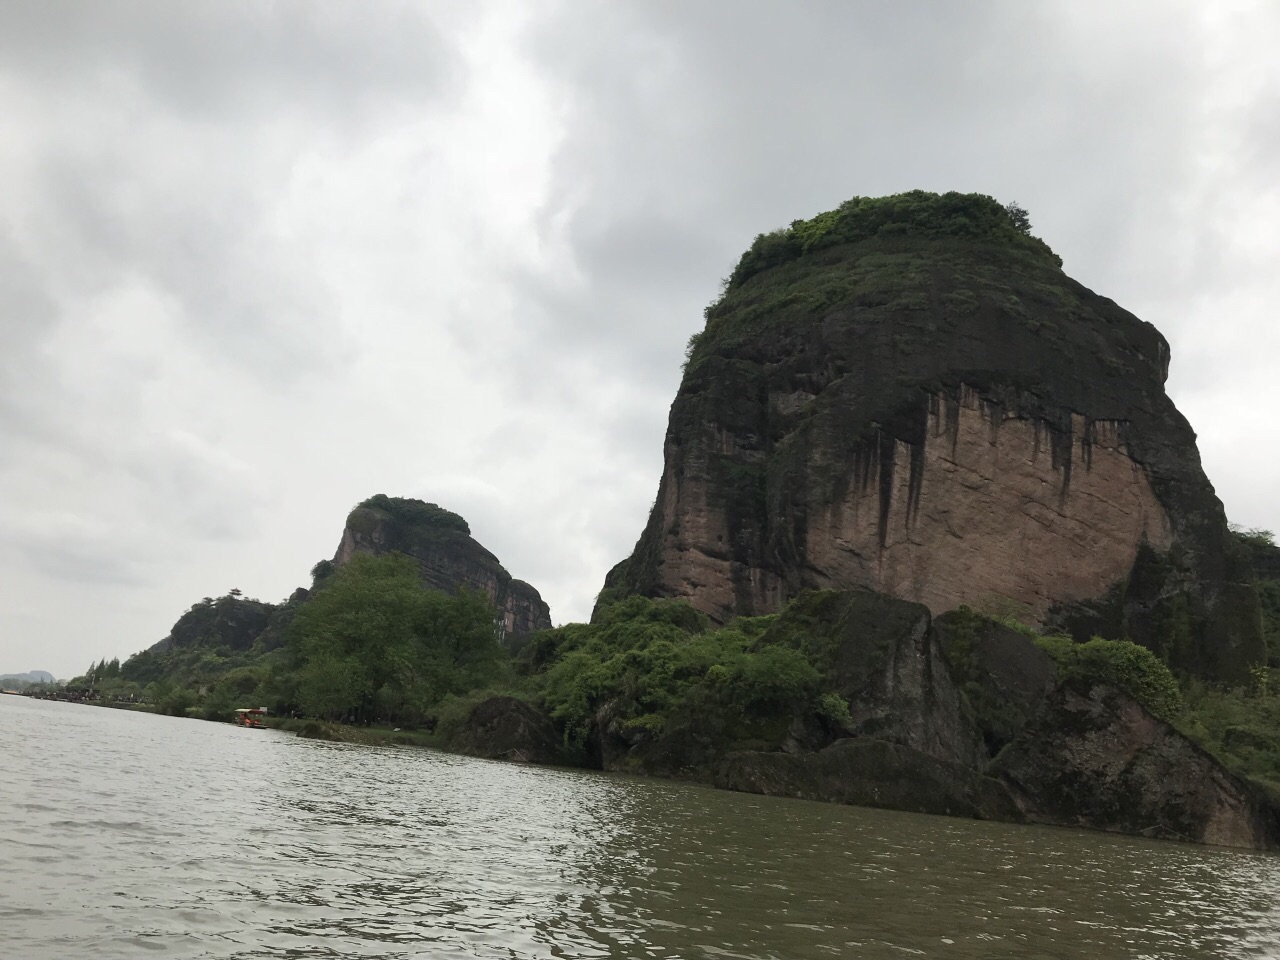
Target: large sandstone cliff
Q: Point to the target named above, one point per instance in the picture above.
(909, 395)
(447, 556)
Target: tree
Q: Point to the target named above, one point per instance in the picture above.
(322, 571)
(374, 640)
(1253, 536)
(1018, 214)
(331, 687)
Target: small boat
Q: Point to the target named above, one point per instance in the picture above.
(250, 716)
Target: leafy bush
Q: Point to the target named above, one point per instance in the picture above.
(1122, 663)
(918, 212)
(1241, 728)
(646, 658)
(833, 707)
(176, 701)
(321, 572)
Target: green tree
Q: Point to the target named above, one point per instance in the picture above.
(1018, 214)
(331, 687)
(375, 638)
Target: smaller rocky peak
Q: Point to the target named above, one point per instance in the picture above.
(448, 557)
(231, 621)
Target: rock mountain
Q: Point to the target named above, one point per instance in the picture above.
(447, 556)
(437, 539)
(908, 394)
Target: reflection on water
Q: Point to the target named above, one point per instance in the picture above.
(132, 835)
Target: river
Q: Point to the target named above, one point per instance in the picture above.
(132, 835)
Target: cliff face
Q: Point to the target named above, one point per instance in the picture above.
(909, 395)
(447, 556)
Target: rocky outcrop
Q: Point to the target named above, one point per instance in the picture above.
(956, 715)
(1094, 757)
(879, 658)
(447, 556)
(232, 622)
(909, 395)
(507, 728)
(882, 657)
(1005, 678)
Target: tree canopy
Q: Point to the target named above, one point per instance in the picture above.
(374, 642)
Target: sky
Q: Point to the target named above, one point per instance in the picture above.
(261, 260)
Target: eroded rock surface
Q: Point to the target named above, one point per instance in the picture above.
(881, 655)
(231, 622)
(1094, 757)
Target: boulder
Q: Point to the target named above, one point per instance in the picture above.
(882, 657)
(1005, 677)
(1095, 757)
(507, 728)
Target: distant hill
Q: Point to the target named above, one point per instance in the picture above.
(31, 676)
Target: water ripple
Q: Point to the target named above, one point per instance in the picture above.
(131, 835)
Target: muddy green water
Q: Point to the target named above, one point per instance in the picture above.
(130, 835)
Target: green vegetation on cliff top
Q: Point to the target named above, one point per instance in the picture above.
(879, 253)
(415, 513)
(916, 214)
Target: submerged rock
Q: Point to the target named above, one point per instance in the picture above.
(871, 773)
(1095, 757)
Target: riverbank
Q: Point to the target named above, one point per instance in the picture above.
(343, 733)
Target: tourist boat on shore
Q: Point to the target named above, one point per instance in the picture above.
(250, 716)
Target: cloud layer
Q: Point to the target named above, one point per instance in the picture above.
(258, 262)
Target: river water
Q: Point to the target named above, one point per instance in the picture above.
(132, 835)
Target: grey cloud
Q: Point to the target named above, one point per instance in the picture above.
(695, 126)
(218, 61)
(187, 327)
(80, 563)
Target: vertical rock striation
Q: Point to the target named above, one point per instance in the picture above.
(909, 395)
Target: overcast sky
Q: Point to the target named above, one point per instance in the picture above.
(260, 260)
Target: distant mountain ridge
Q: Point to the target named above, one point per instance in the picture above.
(31, 676)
